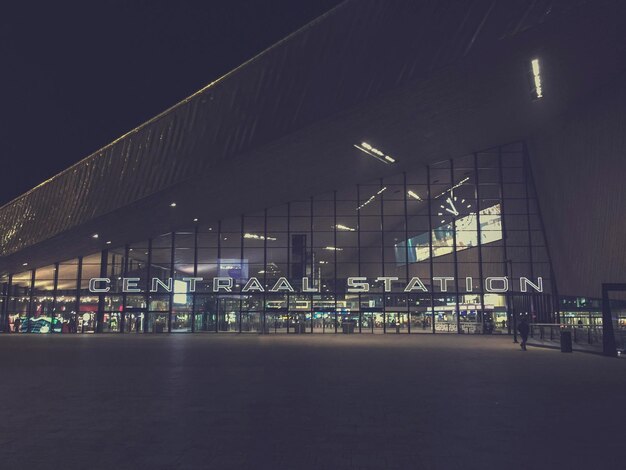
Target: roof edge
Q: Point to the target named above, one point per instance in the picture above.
(175, 106)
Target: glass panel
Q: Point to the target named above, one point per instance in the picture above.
(157, 322)
(438, 231)
(421, 315)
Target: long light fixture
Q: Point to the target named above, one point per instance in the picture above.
(376, 153)
(333, 248)
(378, 193)
(452, 188)
(414, 195)
(344, 227)
(537, 89)
(254, 236)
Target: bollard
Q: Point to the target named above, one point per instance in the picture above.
(566, 341)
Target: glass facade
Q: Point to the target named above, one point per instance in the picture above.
(443, 249)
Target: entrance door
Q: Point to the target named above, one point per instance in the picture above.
(379, 322)
(397, 322)
(318, 322)
(250, 322)
(372, 320)
(276, 321)
(323, 320)
(299, 322)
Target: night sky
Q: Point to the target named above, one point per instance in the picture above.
(77, 75)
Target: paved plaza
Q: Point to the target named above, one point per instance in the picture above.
(306, 402)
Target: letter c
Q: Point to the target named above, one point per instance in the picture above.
(94, 280)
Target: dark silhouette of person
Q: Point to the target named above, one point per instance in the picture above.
(524, 329)
(16, 324)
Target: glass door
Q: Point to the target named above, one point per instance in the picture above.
(250, 322)
(372, 320)
(421, 314)
(396, 322)
(276, 321)
(323, 320)
(299, 322)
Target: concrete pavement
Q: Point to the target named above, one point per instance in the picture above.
(306, 401)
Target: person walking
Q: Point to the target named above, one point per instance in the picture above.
(524, 329)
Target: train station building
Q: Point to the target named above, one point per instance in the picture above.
(391, 167)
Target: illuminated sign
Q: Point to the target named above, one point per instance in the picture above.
(225, 284)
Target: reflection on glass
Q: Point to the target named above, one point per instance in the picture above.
(443, 237)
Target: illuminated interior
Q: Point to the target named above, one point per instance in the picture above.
(475, 217)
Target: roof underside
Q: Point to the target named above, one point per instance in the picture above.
(424, 80)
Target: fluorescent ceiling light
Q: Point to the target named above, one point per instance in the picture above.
(378, 193)
(452, 188)
(414, 195)
(374, 152)
(254, 236)
(344, 227)
(536, 79)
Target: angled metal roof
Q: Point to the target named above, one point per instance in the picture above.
(361, 63)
